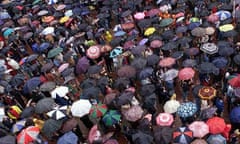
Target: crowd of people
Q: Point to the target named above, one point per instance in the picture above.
(119, 71)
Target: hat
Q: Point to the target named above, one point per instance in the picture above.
(14, 112)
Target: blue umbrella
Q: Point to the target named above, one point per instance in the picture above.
(44, 46)
(115, 52)
(7, 32)
(225, 51)
(187, 109)
(220, 62)
(193, 25)
(183, 135)
(4, 15)
(68, 138)
(31, 84)
(119, 33)
(216, 139)
(235, 115)
(146, 72)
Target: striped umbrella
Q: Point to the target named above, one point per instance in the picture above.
(98, 110)
(28, 135)
(183, 135)
(111, 117)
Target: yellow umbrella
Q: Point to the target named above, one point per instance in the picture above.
(149, 31)
(226, 27)
(64, 19)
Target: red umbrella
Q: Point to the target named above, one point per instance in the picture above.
(28, 135)
(207, 92)
(156, 43)
(199, 128)
(164, 119)
(235, 82)
(98, 110)
(216, 125)
(186, 74)
(167, 62)
(93, 52)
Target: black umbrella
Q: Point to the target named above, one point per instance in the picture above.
(8, 139)
(163, 135)
(103, 15)
(177, 54)
(236, 59)
(50, 127)
(124, 98)
(152, 60)
(47, 67)
(27, 112)
(44, 105)
(225, 51)
(116, 41)
(87, 83)
(145, 73)
(168, 34)
(207, 67)
(17, 80)
(147, 89)
(94, 69)
(169, 46)
(139, 63)
(184, 40)
(142, 138)
(137, 51)
(144, 23)
(90, 93)
(181, 29)
(121, 82)
(126, 13)
(231, 33)
(189, 63)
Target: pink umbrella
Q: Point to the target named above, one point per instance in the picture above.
(94, 134)
(153, 12)
(213, 18)
(156, 43)
(186, 73)
(167, 62)
(139, 15)
(199, 128)
(93, 52)
(164, 119)
(128, 45)
(63, 67)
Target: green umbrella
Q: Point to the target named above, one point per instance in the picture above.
(111, 117)
(166, 22)
(53, 52)
(98, 110)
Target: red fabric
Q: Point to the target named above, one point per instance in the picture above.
(214, 9)
(216, 125)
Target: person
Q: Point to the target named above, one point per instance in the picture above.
(185, 85)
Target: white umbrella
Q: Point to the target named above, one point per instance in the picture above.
(61, 91)
(169, 75)
(81, 107)
(48, 30)
(58, 112)
(171, 106)
(209, 48)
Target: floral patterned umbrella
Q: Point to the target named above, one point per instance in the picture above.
(207, 92)
(187, 109)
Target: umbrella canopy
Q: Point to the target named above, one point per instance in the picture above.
(207, 93)
(139, 15)
(139, 63)
(199, 128)
(164, 119)
(198, 32)
(216, 139)
(216, 125)
(223, 15)
(145, 73)
(82, 65)
(58, 112)
(68, 138)
(186, 74)
(60, 91)
(18, 126)
(50, 127)
(152, 60)
(47, 86)
(166, 22)
(134, 113)
(208, 113)
(220, 62)
(47, 67)
(169, 74)
(167, 62)
(69, 125)
(149, 31)
(226, 27)
(8, 139)
(54, 52)
(187, 109)
(44, 105)
(81, 108)
(163, 135)
(111, 117)
(192, 51)
(209, 48)
(236, 59)
(206, 68)
(183, 135)
(226, 51)
(199, 141)
(98, 110)
(235, 82)
(126, 71)
(93, 52)
(28, 135)
(189, 63)
(48, 30)
(156, 43)
(31, 84)
(237, 92)
(171, 106)
(235, 115)
(115, 52)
